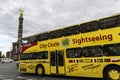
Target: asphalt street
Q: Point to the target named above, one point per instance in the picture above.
(8, 71)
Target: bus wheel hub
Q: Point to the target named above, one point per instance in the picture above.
(39, 71)
(114, 74)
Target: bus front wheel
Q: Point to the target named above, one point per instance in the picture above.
(40, 71)
(112, 73)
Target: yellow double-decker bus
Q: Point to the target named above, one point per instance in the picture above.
(90, 49)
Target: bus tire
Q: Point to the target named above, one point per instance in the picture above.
(40, 70)
(112, 73)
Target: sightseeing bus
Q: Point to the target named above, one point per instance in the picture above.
(90, 49)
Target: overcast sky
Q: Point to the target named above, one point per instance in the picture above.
(45, 15)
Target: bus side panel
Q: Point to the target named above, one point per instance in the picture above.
(83, 67)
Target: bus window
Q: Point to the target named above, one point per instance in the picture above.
(107, 22)
(43, 36)
(94, 25)
(24, 56)
(33, 56)
(118, 20)
(94, 51)
(60, 57)
(55, 34)
(76, 29)
(73, 53)
(85, 53)
(32, 39)
(67, 31)
(52, 59)
(90, 26)
(111, 50)
(42, 55)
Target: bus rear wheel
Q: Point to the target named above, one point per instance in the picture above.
(40, 71)
(112, 73)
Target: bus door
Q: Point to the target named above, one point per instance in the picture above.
(57, 65)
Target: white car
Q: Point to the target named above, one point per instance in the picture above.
(6, 60)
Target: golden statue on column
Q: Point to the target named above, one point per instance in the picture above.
(21, 12)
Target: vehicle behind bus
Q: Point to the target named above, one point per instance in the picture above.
(6, 60)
